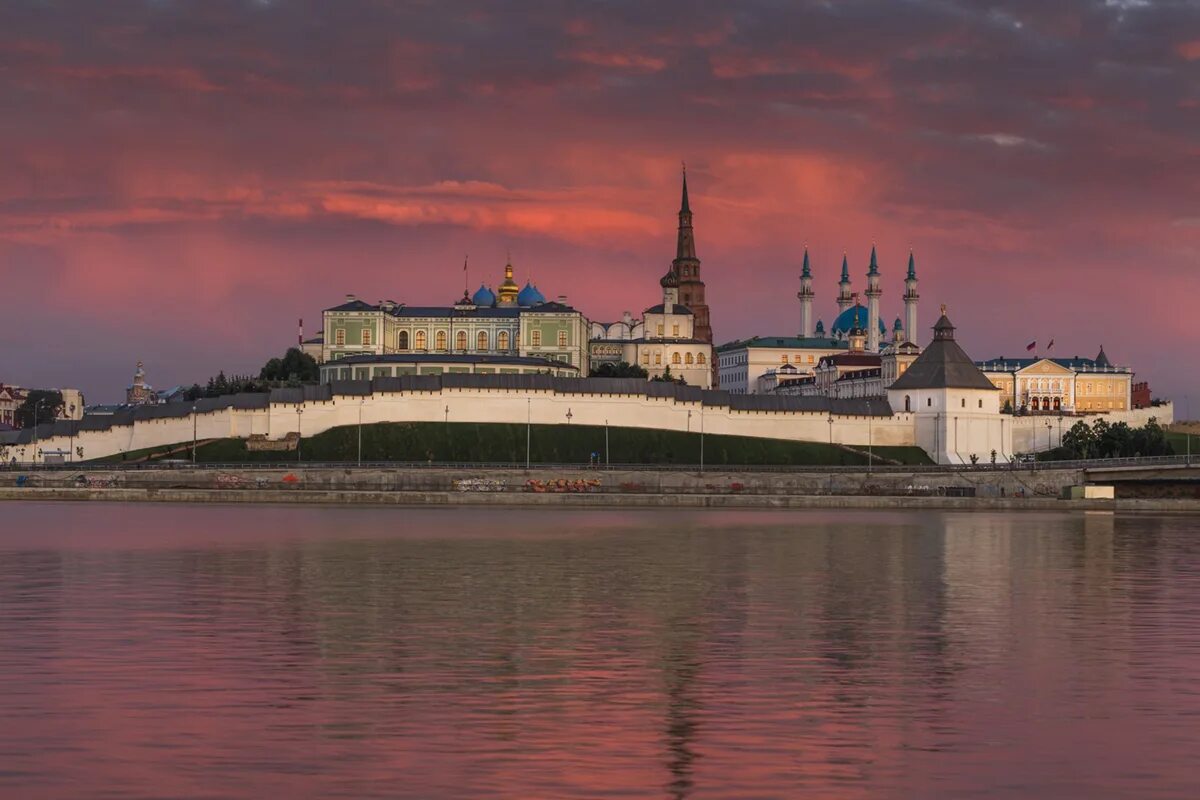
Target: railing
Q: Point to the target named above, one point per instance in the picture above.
(1020, 466)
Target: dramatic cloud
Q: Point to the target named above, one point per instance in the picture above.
(182, 180)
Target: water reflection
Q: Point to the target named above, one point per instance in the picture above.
(207, 651)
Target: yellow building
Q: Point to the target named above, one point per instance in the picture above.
(1078, 385)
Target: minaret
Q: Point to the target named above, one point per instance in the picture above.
(845, 299)
(910, 300)
(806, 299)
(687, 269)
(873, 295)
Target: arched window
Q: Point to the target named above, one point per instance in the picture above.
(402, 340)
(460, 340)
(562, 338)
(441, 340)
(421, 340)
(502, 340)
(658, 359)
(700, 358)
(687, 359)
(481, 342)
(907, 403)
(674, 358)
(366, 336)
(981, 403)
(535, 338)
(646, 357)
(964, 402)
(928, 402)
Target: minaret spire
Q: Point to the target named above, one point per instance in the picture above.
(686, 267)
(845, 299)
(806, 298)
(873, 295)
(683, 205)
(911, 297)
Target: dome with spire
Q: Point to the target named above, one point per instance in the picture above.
(483, 296)
(530, 296)
(898, 325)
(508, 288)
(670, 280)
(820, 328)
(851, 318)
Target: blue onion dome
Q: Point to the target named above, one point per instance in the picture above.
(530, 296)
(898, 325)
(483, 296)
(854, 317)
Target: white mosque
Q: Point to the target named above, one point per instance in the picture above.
(858, 335)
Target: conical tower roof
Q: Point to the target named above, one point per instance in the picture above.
(943, 365)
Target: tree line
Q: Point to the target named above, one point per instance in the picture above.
(1102, 439)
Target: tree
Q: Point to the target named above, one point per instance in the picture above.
(620, 370)
(667, 377)
(1080, 441)
(295, 366)
(40, 406)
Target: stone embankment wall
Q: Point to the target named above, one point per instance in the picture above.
(616, 485)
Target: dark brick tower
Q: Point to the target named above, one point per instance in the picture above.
(687, 269)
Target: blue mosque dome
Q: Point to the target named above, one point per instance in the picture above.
(854, 317)
(898, 326)
(483, 296)
(530, 296)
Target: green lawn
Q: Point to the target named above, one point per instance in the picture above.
(570, 444)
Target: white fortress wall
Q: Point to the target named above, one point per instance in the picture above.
(547, 407)
(1030, 434)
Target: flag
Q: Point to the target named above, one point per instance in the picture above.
(1029, 347)
(1050, 345)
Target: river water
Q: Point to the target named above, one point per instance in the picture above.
(210, 652)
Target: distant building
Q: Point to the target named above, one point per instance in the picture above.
(12, 398)
(1033, 385)
(1140, 395)
(395, 365)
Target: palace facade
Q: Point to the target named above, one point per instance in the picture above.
(1069, 385)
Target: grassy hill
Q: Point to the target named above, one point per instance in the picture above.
(569, 444)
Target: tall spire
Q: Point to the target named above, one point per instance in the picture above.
(912, 267)
(683, 206)
(845, 269)
(806, 272)
(874, 264)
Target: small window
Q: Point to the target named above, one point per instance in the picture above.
(481, 340)
(907, 403)
(441, 340)
(810, 359)
(675, 330)
(535, 338)
(562, 338)
(502, 340)
(646, 358)
(981, 404)
(700, 358)
(460, 340)
(660, 330)
(783, 359)
(964, 402)
(402, 340)
(339, 336)
(675, 358)
(688, 359)
(658, 359)
(366, 336)
(928, 401)
(422, 340)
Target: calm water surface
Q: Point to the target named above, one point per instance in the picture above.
(200, 651)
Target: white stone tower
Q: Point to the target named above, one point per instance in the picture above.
(845, 299)
(873, 295)
(910, 301)
(806, 299)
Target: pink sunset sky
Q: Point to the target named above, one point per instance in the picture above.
(181, 181)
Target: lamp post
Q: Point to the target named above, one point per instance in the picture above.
(360, 406)
(606, 444)
(1060, 416)
(1048, 435)
(71, 435)
(702, 436)
(689, 421)
(569, 415)
(299, 433)
(447, 419)
(37, 411)
(1187, 432)
(528, 428)
(193, 435)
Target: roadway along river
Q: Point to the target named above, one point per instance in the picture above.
(213, 651)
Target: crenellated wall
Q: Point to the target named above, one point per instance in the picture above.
(313, 411)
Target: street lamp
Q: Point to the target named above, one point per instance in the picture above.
(37, 410)
(193, 435)
(360, 407)
(447, 414)
(870, 437)
(528, 428)
(689, 421)
(1048, 447)
(702, 436)
(299, 433)
(569, 415)
(606, 443)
